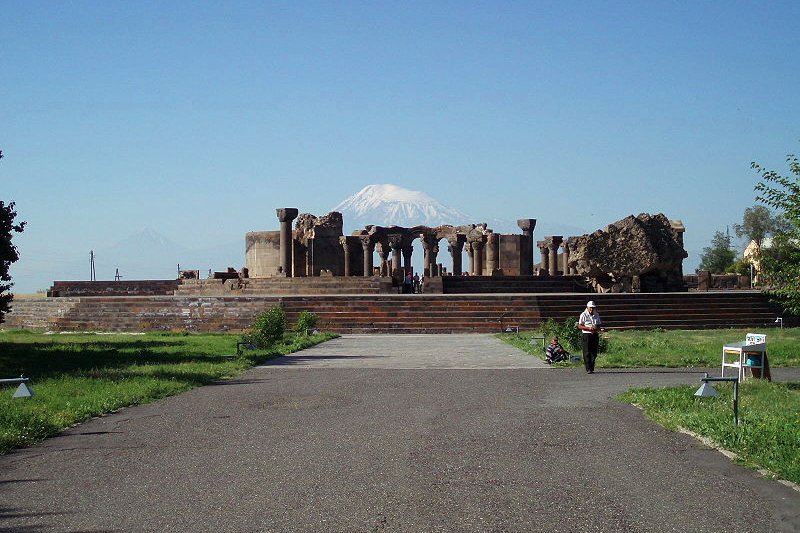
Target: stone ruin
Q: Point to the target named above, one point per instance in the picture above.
(317, 246)
(636, 254)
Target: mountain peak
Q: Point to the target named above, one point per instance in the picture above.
(387, 204)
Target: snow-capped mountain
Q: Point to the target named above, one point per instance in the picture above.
(387, 205)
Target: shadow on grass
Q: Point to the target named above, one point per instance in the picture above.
(46, 359)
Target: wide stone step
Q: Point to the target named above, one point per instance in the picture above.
(396, 313)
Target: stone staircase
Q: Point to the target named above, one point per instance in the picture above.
(281, 286)
(513, 284)
(393, 313)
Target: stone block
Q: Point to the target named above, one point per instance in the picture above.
(262, 253)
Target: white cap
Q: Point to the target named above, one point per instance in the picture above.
(591, 304)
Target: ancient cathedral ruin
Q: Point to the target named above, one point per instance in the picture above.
(641, 253)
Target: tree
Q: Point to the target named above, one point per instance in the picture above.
(718, 258)
(758, 222)
(8, 252)
(781, 266)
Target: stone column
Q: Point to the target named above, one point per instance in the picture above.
(545, 265)
(396, 244)
(470, 258)
(427, 241)
(346, 249)
(408, 251)
(492, 252)
(383, 252)
(285, 216)
(436, 270)
(368, 246)
(553, 243)
(477, 259)
(527, 226)
(566, 248)
(455, 245)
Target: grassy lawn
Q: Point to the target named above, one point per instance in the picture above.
(673, 348)
(769, 436)
(76, 377)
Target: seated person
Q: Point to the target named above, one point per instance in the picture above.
(555, 352)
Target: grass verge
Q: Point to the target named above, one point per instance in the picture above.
(673, 348)
(769, 432)
(76, 377)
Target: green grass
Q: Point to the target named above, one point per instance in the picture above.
(674, 348)
(76, 377)
(769, 434)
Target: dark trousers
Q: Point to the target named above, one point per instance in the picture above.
(590, 343)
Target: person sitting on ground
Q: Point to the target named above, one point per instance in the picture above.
(555, 352)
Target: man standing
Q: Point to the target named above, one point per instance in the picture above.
(589, 323)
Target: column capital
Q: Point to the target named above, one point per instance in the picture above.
(286, 214)
(456, 243)
(395, 241)
(366, 241)
(553, 241)
(527, 225)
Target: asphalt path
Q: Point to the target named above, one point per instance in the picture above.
(392, 433)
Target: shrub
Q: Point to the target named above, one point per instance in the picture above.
(569, 335)
(306, 320)
(268, 328)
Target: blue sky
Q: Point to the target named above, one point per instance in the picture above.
(198, 119)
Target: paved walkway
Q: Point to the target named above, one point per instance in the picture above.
(340, 438)
(412, 351)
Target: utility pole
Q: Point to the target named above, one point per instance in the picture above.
(117, 276)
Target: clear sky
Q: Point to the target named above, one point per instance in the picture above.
(198, 119)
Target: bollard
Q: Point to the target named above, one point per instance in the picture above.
(23, 391)
(706, 390)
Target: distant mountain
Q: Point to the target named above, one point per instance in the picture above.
(147, 254)
(387, 205)
(144, 254)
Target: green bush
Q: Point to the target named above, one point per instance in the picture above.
(741, 267)
(569, 335)
(306, 320)
(268, 328)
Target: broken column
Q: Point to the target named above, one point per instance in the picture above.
(368, 247)
(492, 244)
(455, 246)
(553, 243)
(285, 216)
(544, 266)
(527, 226)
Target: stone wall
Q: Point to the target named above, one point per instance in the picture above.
(149, 287)
(513, 249)
(706, 281)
